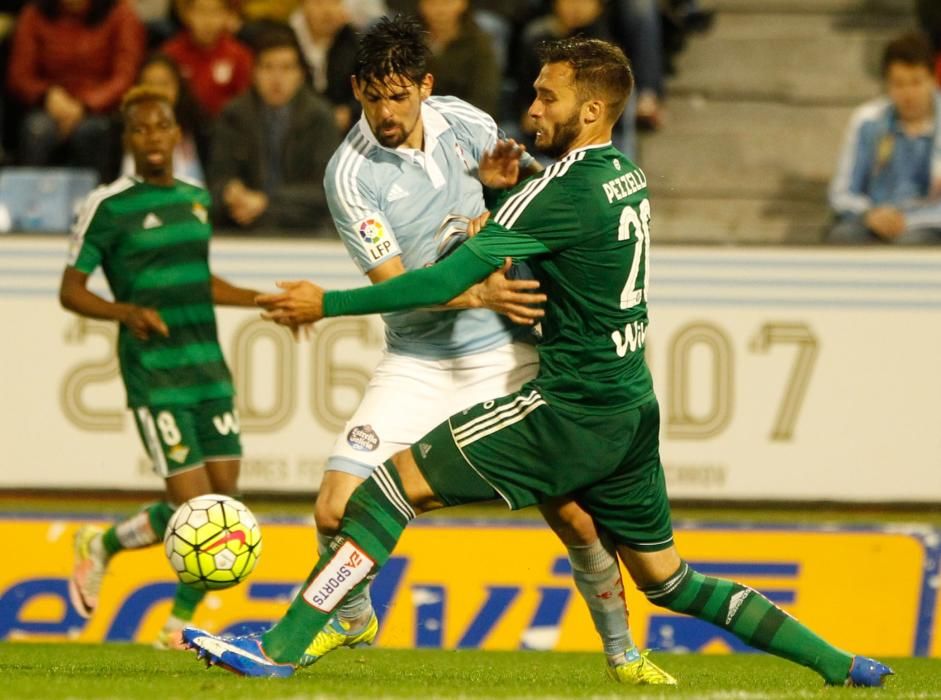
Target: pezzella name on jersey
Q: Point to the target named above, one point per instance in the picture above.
(625, 185)
(633, 337)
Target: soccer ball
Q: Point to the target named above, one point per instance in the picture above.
(212, 542)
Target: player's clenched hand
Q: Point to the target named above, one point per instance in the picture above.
(512, 298)
(499, 168)
(143, 321)
(299, 304)
(474, 225)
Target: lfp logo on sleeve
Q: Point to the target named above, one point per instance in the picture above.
(374, 234)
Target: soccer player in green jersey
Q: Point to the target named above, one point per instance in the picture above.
(587, 425)
(150, 234)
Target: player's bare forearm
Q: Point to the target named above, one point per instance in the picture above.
(226, 294)
(75, 296)
(299, 304)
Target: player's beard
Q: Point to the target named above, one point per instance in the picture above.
(565, 134)
(394, 140)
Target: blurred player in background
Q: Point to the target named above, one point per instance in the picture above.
(150, 234)
(588, 424)
(413, 164)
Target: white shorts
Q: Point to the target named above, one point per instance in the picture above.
(408, 396)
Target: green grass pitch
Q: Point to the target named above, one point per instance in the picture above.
(129, 672)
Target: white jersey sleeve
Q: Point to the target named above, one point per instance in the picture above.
(354, 201)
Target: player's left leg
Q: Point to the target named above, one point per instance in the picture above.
(671, 583)
(597, 577)
(216, 432)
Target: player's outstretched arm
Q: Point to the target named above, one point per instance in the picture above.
(299, 304)
(225, 293)
(75, 296)
(304, 302)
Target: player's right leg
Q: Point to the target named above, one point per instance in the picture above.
(376, 515)
(216, 433)
(355, 623)
(406, 397)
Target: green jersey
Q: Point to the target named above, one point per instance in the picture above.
(583, 226)
(152, 243)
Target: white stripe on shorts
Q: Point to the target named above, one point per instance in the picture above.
(498, 419)
(153, 442)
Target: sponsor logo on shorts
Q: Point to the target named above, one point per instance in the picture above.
(199, 211)
(349, 566)
(179, 453)
(424, 448)
(363, 438)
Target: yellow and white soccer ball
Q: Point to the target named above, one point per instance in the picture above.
(212, 541)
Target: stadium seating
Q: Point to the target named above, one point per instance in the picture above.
(42, 199)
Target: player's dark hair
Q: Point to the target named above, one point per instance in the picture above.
(394, 47)
(911, 48)
(188, 112)
(601, 69)
(140, 94)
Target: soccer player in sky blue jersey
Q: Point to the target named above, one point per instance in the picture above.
(150, 234)
(587, 425)
(406, 174)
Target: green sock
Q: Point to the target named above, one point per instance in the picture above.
(376, 515)
(752, 618)
(185, 601)
(140, 530)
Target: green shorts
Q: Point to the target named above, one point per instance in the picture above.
(526, 451)
(178, 438)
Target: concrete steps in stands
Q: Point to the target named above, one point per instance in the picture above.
(756, 114)
(801, 58)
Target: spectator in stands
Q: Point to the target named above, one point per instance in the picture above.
(161, 72)
(328, 43)
(216, 65)
(888, 182)
(638, 30)
(271, 146)
(71, 62)
(462, 57)
(568, 18)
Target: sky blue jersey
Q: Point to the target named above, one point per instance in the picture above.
(391, 202)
